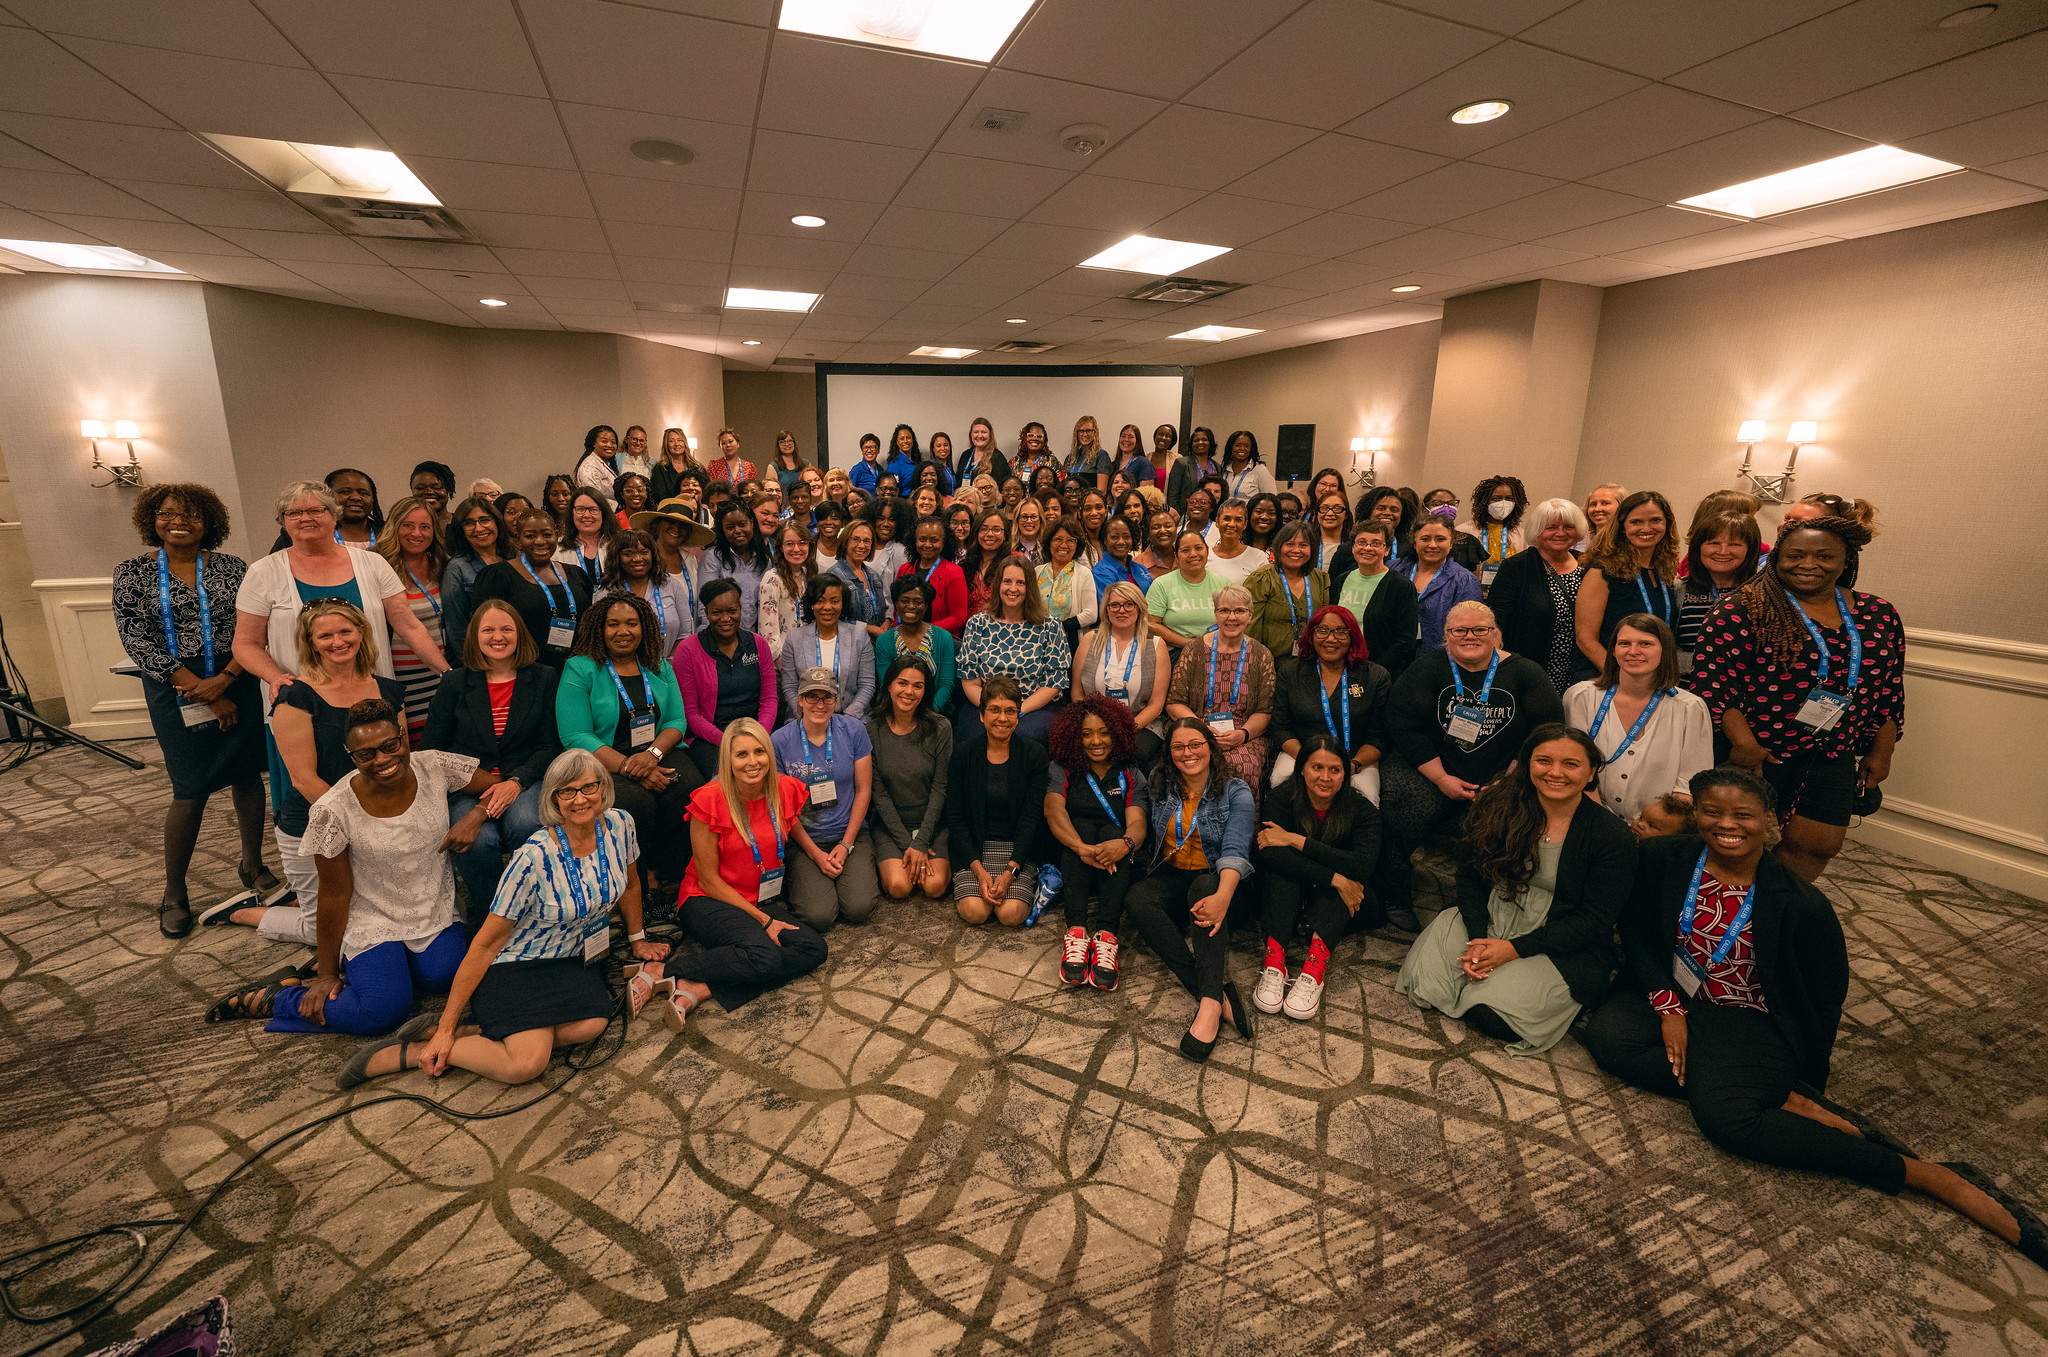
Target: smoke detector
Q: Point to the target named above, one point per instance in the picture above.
(1084, 139)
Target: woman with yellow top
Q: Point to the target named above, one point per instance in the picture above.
(1498, 503)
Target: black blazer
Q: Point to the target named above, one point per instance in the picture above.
(1595, 871)
(1802, 961)
(1298, 703)
(459, 721)
(1390, 618)
(1520, 599)
(1354, 853)
(967, 777)
(996, 465)
(1181, 480)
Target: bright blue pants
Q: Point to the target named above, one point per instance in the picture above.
(378, 987)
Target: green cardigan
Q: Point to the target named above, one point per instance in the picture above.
(587, 703)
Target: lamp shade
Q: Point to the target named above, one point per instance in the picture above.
(125, 428)
(1358, 445)
(1752, 431)
(1375, 444)
(92, 428)
(1802, 431)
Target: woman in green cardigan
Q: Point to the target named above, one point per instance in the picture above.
(618, 699)
(1287, 591)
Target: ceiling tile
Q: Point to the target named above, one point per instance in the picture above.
(876, 287)
(525, 230)
(262, 208)
(354, 278)
(1122, 205)
(1694, 251)
(1640, 124)
(1657, 37)
(35, 191)
(223, 28)
(787, 252)
(1250, 266)
(626, 56)
(781, 277)
(1559, 209)
(1994, 80)
(645, 200)
(1332, 234)
(2027, 169)
(923, 229)
(1512, 259)
(215, 268)
(1730, 158)
(554, 288)
(1333, 170)
(589, 306)
(1422, 249)
(1653, 227)
(243, 98)
(1199, 148)
(1543, 86)
(1075, 286)
(835, 304)
(323, 246)
(1309, 70)
(149, 237)
(602, 138)
(1607, 272)
(1458, 189)
(865, 94)
(787, 162)
(1984, 142)
(1331, 276)
(27, 226)
(558, 263)
(958, 183)
(670, 294)
(769, 214)
(983, 271)
(1051, 106)
(1162, 50)
(1495, 16)
(490, 280)
(38, 76)
(504, 188)
(19, 155)
(1062, 245)
(118, 151)
(689, 272)
(1228, 219)
(884, 261)
(472, 44)
(431, 120)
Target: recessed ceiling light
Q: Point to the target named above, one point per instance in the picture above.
(1143, 254)
(931, 351)
(492, 301)
(1485, 111)
(1016, 320)
(807, 220)
(105, 257)
(764, 299)
(973, 30)
(1215, 334)
(346, 171)
(658, 152)
(751, 343)
(1964, 17)
(1825, 181)
(1409, 287)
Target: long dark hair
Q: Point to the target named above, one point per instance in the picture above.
(921, 719)
(1292, 795)
(973, 560)
(614, 576)
(1370, 500)
(1772, 615)
(590, 632)
(1506, 823)
(1612, 553)
(756, 549)
(459, 544)
(1698, 579)
(1167, 779)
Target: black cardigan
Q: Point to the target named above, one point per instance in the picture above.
(1594, 872)
(459, 721)
(967, 778)
(1298, 704)
(1802, 961)
(1355, 855)
(1390, 620)
(1520, 599)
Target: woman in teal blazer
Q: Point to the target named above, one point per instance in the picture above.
(618, 699)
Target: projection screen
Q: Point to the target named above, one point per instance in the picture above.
(856, 399)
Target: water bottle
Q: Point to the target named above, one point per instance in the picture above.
(1048, 891)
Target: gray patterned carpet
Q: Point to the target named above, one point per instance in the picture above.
(929, 1146)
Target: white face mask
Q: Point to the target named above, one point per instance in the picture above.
(1500, 509)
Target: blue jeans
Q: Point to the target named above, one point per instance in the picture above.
(484, 863)
(377, 987)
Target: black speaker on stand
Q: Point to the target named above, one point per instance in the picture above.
(1294, 456)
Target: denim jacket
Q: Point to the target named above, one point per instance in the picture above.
(1225, 817)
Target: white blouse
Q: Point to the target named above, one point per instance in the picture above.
(269, 590)
(404, 885)
(1677, 742)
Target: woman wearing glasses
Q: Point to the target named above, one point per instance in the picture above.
(1121, 660)
(1225, 680)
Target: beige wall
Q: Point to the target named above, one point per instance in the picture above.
(1373, 384)
(759, 404)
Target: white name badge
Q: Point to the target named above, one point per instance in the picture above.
(1117, 694)
(1222, 722)
(824, 793)
(1822, 709)
(642, 732)
(1487, 572)
(195, 713)
(771, 885)
(561, 634)
(1466, 722)
(597, 939)
(1688, 974)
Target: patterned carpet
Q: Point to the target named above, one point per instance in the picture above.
(929, 1146)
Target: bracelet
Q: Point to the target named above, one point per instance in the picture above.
(641, 936)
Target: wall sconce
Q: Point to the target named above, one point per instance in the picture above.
(1773, 489)
(1365, 455)
(693, 441)
(129, 475)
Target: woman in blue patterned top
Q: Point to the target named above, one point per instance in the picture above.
(1016, 638)
(534, 977)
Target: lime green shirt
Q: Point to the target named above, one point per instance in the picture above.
(1358, 591)
(1185, 609)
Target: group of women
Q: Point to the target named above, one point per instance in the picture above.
(764, 703)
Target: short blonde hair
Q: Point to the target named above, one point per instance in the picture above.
(1229, 593)
(1549, 513)
(310, 667)
(568, 765)
(1471, 606)
(301, 490)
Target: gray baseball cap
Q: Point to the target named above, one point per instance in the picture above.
(816, 678)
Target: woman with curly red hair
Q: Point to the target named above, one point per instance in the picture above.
(1095, 807)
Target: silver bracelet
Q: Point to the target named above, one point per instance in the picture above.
(641, 936)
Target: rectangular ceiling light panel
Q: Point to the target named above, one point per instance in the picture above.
(1143, 254)
(973, 30)
(1215, 334)
(106, 258)
(763, 299)
(932, 351)
(1870, 170)
(344, 171)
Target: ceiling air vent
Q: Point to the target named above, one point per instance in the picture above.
(1023, 346)
(384, 219)
(1178, 290)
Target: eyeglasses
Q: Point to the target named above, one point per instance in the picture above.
(1332, 634)
(1233, 612)
(177, 516)
(1468, 633)
(306, 513)
(582, 791)
(362, 758)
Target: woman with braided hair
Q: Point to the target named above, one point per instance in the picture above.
(1806, 677)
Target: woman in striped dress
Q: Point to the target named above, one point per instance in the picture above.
(412, 546)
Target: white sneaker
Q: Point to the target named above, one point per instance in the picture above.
(1272, 984)
(1304, 999)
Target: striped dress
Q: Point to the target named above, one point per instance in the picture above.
(412, 673)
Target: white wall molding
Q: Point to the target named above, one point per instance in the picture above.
(80, 616)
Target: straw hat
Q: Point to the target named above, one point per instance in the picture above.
(695, 535)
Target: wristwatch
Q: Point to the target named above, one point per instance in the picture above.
(641, 936)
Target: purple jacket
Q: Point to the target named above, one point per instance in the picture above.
(697, 677)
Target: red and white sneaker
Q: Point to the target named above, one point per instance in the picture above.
(1102, 973)
(1075, 959)
(1271, 990)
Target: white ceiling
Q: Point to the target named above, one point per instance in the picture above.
(1309, 135)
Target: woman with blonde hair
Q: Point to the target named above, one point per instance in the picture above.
(1601, 502)
(412, 547)
(666, 480)
(1123, 660)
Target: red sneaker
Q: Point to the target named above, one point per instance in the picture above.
(1102, 974)
(1075, 957)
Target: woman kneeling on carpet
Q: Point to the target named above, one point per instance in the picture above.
(1542, 873)
(1738, 1014)
(534, 977)
(1317, 849)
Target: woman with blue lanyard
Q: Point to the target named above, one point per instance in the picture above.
(867, 591)
(411, 545)
(912, 599)
(1244, 471)
(1440, 583)
(1652, 734)
(593, 533)
(476, 540)
(832, 870)
(618, 699)
(1632, 567)
(636, 569)
(1333, 688)
(826, 640)
(1095, 808)
(1730, 997)
(1287, 590)
(548, 597)
(1498, 503)
(1119, 563)
(174, 608)
(1227, 679)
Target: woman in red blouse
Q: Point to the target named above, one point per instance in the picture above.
(949, 586)
(1806, 677)
(1730, 995)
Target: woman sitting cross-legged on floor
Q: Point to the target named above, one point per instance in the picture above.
(1201, 820)
(1316, 851)
(533, 978)
(1096, 809)
(1730, 997)
(1542, 873)
(387, 891)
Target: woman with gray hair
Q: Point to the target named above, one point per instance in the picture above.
(1226, 681)
(1535, 595)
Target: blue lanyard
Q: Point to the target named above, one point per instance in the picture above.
(575, 873)
(1458, 680)
(1237, 684)
(625, 701)
(755, 848)
(425, 592)
(818, 649)
(1293, 618)
(163, 598)
(1600, 717)
(1131, 658)
(542, 585)
(1820, 640)
(660, 609)
(1180, 840)
(1237, 490)
(933, 571)
(1735, 925)
(592, 565)
(1663, 590)
(1103, 801)
(1343, 704)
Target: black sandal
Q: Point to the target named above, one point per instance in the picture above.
(239, 1003)
(2033, 1240)
(357, 1071)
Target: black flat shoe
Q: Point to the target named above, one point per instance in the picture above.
(1240, 1015)
(2033, 1241)
(1194, 1048)
(1869, 1129)
(174, 918)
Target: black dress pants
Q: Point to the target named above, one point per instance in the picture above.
(1286, 901)
(658, 817)
(1078, 881)
(1411, 809)
(1159, 905)
(740, 962)
(1739, 1069)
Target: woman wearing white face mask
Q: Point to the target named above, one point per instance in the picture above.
(1652, 734)
(1498, 503)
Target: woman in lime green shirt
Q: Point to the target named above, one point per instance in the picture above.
(1180, 602)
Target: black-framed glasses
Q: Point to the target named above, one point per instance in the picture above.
(1472, 633)
(582, 791)
(364, 757)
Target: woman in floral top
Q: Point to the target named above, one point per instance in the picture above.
(1807, 679)
(1017, 638)
(1226, 680)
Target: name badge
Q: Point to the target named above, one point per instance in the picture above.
(561, 634)
(195, 713)
(1118, 694)
(597, 938)
(771, 885)
(1822, 709)
(1486, 573)
(1466, 723)
(825, 792)
(1688, 974)
(1222, 722)
(641, 732)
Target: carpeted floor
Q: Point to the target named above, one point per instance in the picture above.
(931, 1146)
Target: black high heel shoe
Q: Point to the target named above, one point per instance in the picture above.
(1240, 1016)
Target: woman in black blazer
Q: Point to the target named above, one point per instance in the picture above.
(1535, 594)
(1329, 687)
(1542, 873)
(995, 804)
(498, 708)
(1730, 997)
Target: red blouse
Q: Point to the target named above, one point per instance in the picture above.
(1733, 982)
(736, 866)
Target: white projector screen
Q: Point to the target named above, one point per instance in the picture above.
(862, 400)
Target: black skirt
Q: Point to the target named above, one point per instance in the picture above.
(524, 996)
(203, 759)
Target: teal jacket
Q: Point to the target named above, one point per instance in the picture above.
(587, 703)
